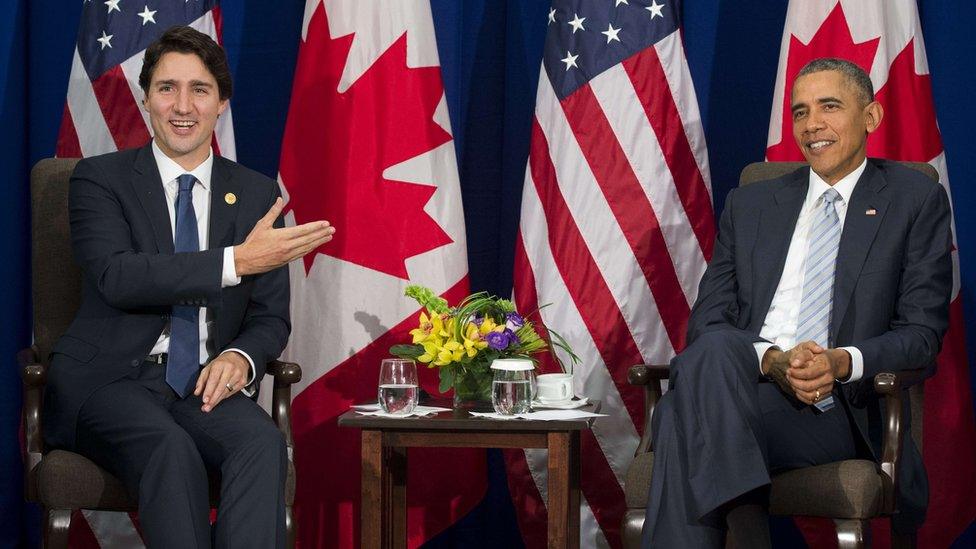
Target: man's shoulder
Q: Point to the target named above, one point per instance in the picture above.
(903, 178)
(113, 161)
(764, 189)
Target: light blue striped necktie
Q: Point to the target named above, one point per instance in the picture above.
(817, 303)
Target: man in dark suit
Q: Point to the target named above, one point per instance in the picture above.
(820, 280)
(185, 299)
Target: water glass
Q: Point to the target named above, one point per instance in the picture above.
(511, 390)
(398, 390)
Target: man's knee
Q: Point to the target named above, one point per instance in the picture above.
(716, 355)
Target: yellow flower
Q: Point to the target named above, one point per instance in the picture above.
(473, 342)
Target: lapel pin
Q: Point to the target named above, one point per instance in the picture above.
(231, 199)
(872, 211)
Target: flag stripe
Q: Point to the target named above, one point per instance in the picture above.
(581, 274)
(67, 146)
(602, 234)
(648, 78)
(119, 109)
(625, 114)
(94, 136)
(630, 206)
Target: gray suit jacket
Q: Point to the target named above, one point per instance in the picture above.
(122, 239)
(892, 285)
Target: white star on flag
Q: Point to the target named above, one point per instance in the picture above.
(570, 60)
(577, 23)
(106, 41)
(655, 9)
(148, 16)
(113, 5)
(552, 15)
(611, 33)
(621, 2)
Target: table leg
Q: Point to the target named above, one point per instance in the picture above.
(374, 492)
(396, 484)
(564, 497)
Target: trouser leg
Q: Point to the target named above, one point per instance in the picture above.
(719, 432)
(125, 428)
(239, 439)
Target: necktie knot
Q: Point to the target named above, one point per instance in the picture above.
(186, 182)
(829, 196)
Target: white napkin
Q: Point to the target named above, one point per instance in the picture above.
(545, 415)
(375, 411)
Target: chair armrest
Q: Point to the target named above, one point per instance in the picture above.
(891, 386)
(34, 376)
(285, 375)
(648, 376)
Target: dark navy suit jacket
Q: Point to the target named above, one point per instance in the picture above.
(892, 285)
(122, 239)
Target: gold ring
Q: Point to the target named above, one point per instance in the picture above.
(231, 387)
(816, 395)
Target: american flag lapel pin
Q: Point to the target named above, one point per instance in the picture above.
(871, 211)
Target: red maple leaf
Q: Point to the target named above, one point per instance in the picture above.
(908, 129)
(337, 145)
(833, 39)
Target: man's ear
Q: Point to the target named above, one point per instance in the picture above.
(873, 113)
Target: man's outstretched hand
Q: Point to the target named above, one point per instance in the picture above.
(267, 248)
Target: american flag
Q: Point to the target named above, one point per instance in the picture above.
(103, 113)
(616, 228)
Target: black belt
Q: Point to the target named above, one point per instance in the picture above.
(158, 358)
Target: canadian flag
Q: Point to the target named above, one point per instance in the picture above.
(884, 38)
(368, 147)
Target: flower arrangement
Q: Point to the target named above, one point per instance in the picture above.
(462, 341)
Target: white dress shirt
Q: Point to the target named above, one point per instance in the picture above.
(169, 170)
(780, 324)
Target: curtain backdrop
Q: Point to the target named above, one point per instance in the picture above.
(490, 52)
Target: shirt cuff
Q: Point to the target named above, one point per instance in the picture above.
(247, 389)
(857, 364)
(761, 348)
(229, 276)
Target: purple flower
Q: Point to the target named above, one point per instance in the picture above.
(513, 338)
(497, 340)
(477, 320)
(514, 321)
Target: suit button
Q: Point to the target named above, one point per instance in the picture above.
(135, 362)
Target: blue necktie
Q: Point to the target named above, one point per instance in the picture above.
(184, 336)
(817, 302)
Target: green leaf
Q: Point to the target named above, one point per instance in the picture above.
(407, 351)
(447, 379)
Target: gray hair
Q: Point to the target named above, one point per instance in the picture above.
(854, 74)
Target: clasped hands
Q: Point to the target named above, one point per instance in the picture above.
(807, 371)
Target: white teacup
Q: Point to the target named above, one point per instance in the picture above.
(552, 388)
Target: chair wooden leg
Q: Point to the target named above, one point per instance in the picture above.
(57, 523)
(290, 527)
(853, 534)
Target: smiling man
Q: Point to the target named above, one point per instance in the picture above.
(820, 280)
(184, 300)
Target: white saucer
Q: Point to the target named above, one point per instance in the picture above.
(561, 404)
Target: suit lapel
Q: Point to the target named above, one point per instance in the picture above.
(777, 220)
(149, 188)
(856, 239)
(224, 194)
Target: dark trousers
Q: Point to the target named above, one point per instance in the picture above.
(720, 432)
(161, 447)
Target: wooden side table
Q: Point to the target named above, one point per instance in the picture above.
(384, 468)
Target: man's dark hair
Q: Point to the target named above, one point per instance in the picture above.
(188, 40)
(854, 74)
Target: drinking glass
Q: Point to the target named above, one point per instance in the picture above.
(398, 390)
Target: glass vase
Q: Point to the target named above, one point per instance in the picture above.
(472, 389)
